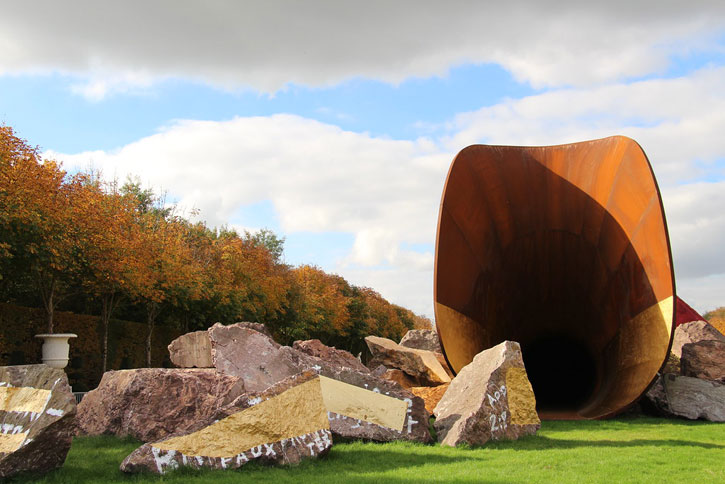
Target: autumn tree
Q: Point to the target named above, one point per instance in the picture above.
(167, 273)
(39, 233)
(111, 263)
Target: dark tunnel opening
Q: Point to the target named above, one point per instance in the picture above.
(562, 372)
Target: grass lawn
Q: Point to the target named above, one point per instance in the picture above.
(611, 451)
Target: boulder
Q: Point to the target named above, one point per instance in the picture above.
(654, 401)
(361, 406)
(339, 358)
(191, 350)
(692, 332)
(258, 327)
(430, 395)
(684, 396)
(401, 378)
(442, 360)
(421, 339)
(704, 359)
(151, 403)
(282, 425)
(37, 411)
(356, 409)
(379, 370)
(422, 365)
(250, 355)
(490, 398)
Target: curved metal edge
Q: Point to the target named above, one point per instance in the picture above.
(435, 263)
(672, 277)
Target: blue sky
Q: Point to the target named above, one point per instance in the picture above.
(334, 123)
(44, 107)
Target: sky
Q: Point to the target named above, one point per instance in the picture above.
(334, 123)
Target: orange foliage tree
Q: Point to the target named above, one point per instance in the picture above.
(39, 233)
(111, 265)
(76, 233)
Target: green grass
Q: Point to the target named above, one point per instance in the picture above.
(612, 451)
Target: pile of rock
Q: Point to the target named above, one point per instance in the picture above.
(692, 384)
(239, 396)
(490, 398)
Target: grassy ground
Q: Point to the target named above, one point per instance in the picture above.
(613, 451)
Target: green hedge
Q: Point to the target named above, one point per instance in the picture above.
(126, 343)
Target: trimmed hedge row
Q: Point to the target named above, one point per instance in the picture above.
(126, 343)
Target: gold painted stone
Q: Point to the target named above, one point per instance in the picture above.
(490, 398)
(361, 418)
(521, 400)
(260, 362)
(430, 395)
(37, 411)
(359, 403)
(283, 425)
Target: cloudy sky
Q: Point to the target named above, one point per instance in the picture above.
(334, 122)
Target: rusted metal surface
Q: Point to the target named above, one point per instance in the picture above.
(565, 250)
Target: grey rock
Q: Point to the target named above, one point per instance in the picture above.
(421, 339)
(692, 332)
(694, 398)
(704, 359)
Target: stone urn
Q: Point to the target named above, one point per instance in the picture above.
(56, 348)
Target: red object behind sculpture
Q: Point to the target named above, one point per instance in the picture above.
(684, 313)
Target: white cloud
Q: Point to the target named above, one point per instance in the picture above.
(696, 220)
(702, 293)
(386, 192)
(268, 44)
(677, 121)
(318, 177)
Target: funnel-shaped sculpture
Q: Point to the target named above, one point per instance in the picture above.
(565, 250)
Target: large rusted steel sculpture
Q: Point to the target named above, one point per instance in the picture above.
(565, 250)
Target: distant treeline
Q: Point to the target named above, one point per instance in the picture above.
(75, 242)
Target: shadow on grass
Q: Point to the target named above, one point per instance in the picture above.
(540, 442)
(357, 463)
(618, 423)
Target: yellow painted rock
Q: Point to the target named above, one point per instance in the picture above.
(490, 399)
(37, 410)
(282, 425)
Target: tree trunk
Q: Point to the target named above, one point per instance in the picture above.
(50, 309)
(152, 309)
(109, 303)
(49, 302)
